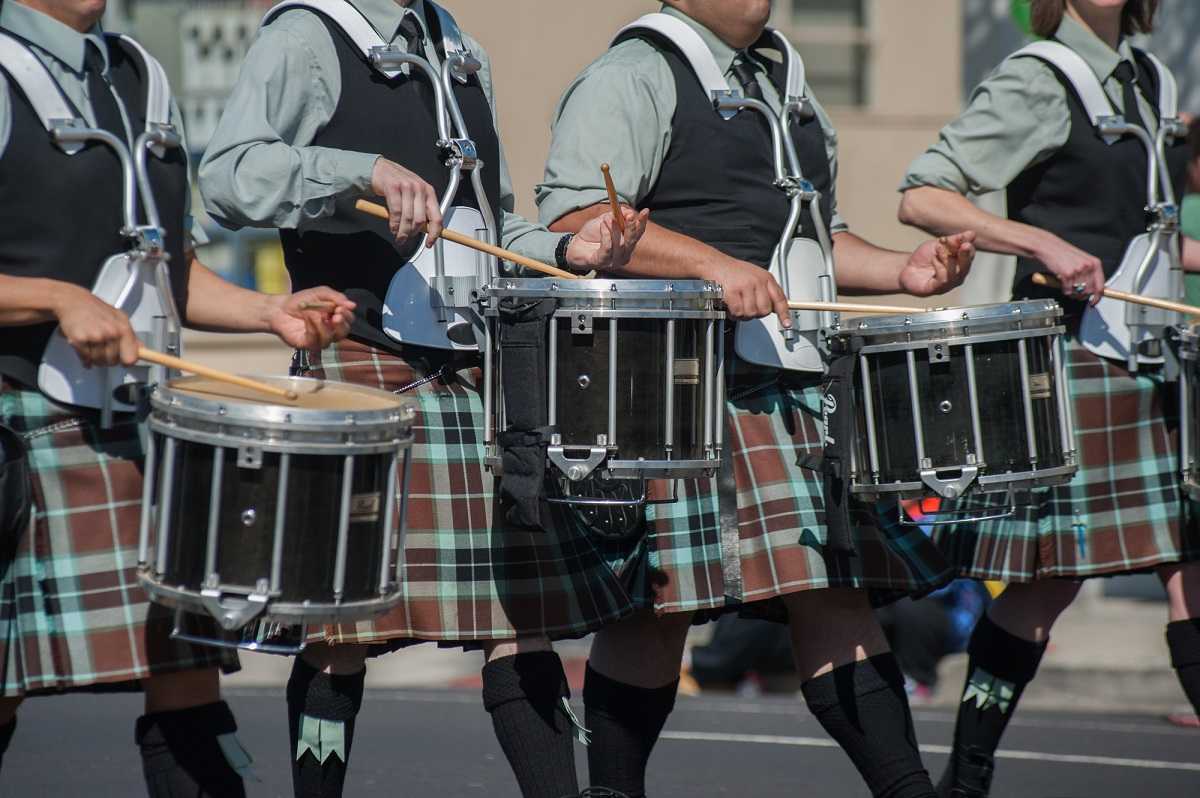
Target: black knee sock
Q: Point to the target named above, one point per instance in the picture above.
(524, 694)
(625, 722)
(864, 708)
(321, 712)
(189, 753)
(1183, 639)
(1000, 666)
(6, 735)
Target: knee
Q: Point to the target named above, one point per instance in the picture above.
(167, 692)
(643, 650)
(8, 709)
(498, 649)
(342, 660)
(1182, 583)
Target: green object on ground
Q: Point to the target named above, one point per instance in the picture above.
(1022, 16)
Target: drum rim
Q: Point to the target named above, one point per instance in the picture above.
(941, 322)
(176, 408)
(608, 289)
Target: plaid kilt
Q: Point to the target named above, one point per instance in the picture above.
(72, 614)
(1124, 510)
(779, 547)
(465, 577)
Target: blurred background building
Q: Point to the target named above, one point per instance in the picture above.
(892, 73)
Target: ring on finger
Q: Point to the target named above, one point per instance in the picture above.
(1079, 288)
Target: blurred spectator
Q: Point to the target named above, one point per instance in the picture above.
(743, 650)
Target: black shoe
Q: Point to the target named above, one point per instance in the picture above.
(968, 775)
(599, 792)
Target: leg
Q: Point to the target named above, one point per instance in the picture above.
(632, 678)
(1004, 651)
(8, 723)
(854, 687)
(524, 690)
(1183, 631)
(324, 695)
(187, 738)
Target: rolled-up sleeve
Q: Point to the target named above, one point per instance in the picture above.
(1015, 119)
(260, 169)
(618, 111)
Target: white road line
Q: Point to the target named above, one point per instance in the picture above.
(1035, 756)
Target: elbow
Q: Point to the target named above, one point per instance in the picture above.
(909, 213)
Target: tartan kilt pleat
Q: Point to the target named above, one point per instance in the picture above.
(72, 614)
(1124, 511)
(466, 576)
(774, 422)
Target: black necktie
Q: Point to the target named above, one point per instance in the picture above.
(1126, 75)
(411, 31)
(104, 104)
(746, 75)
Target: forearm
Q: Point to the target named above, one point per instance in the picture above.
(30, 300)
(1191, 254)
(219, 306)
(863, 268)
(942, 212)
(661, 253)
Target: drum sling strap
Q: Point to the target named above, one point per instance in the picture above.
(15, 488)
(838, 414)
(523, 444)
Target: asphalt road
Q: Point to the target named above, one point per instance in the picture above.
(440, 743)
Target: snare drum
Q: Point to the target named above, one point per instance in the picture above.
(257, 512)
(961, 401)
(636, 385)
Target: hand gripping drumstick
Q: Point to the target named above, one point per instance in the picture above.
(845, 307)
(618, 217)
(380, 212)
(171, 362)
(1048, 281)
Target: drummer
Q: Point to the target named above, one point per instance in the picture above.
(1075, 202)
(640, 108)
(71, 613)
(310, 127)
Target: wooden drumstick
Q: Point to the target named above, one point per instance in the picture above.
(380, 212)
(618, 217)
(318, 305)
(849, 307)
(172, 362)
(1049, 281)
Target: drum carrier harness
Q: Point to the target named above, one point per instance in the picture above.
(136, 281)
(1151, 264)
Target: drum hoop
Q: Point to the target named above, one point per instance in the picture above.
(285, 612)
(962, 340)
(996, 483)
(607, 290)
(379, 439)
(940, 324)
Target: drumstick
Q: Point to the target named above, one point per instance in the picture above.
(618, 217)
(380, 212)
(1048, 281)
(172, 362)
(317, 305)
(844, 307)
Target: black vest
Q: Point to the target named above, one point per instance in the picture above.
(1090, 194)
(397, 118)
(62, 214)
(717, 183)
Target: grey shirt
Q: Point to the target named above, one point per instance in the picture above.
(1017, 118)
(261, 168)
(61, 49)
(619, 111)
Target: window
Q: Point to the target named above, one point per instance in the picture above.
(832, 36)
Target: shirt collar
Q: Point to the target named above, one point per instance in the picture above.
(48, 34)
(386, 15)
(1099, 56)
(722, 52)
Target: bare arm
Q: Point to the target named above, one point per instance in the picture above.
(938, 211)
(1191, 254)
(933, 268)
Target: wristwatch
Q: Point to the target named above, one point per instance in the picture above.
(560, 252)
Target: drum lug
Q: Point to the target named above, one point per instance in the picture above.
(576, 470)
(234, 613)
(250, 457)
(949, 488)
(581, 324)
(939, 352)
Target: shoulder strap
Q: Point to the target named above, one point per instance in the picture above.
(158, 87)
(797, 78)
(39, 87)
(1087, 86)
(1168, 89)
(345, 16)
(689, 43)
